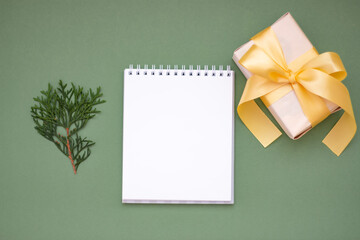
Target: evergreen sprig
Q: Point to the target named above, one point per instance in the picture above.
(59, 114)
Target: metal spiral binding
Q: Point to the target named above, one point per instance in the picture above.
(221, 70)
(191, 70)
(175, 71)
(228, 70)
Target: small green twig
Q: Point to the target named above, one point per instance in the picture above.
(69, 109)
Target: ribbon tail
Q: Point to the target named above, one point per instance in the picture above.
(251, 114)
(345, 130)
(333, 90)
(258, 123)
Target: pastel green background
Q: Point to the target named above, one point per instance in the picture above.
(291, 190)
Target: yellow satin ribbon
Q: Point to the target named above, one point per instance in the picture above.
(313, 77)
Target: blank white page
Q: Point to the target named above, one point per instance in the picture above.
(178, 136)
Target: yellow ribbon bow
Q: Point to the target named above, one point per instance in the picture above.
(313, 77)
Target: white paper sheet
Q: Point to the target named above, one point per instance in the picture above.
(178, 136)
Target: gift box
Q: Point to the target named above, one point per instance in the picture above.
(289, 85)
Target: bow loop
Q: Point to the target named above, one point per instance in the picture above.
(329, 63)
(260, 63)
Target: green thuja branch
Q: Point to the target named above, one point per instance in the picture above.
(59, 114)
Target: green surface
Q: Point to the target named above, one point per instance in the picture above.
(291, 190)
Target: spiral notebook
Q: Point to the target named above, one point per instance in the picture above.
(178, 135)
